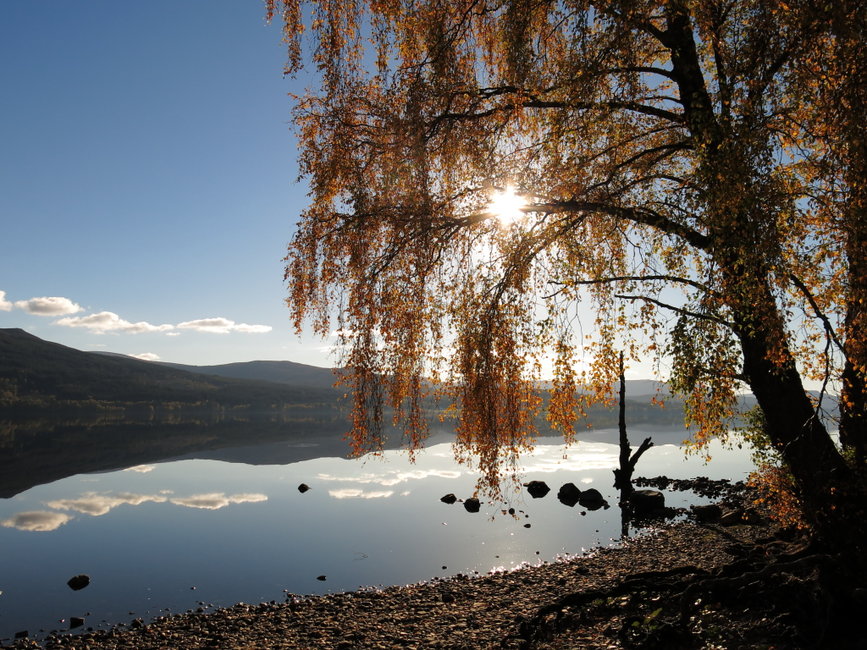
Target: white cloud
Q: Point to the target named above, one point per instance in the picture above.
(96, 505)
(217, 500)
(106, 321)
(221, 325)
(146, 356)
(252, 329)
(213, 325)
(48, 306)
(36, 520)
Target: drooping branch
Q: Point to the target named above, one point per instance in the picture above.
(644, 278)
(643, 216)
(679, 310)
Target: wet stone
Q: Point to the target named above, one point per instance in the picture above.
(78, 582)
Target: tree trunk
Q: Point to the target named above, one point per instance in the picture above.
(853, 149)
(820, 473)
(743, 240)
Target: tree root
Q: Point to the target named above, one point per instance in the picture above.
(795, 597)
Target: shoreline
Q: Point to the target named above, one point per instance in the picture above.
(460, 612)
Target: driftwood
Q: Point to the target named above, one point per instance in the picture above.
(628, 458)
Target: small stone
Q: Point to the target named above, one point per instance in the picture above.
(78, 582)
(449, 498)
(537, 489)
(472, 504)
(321, 578)
(75, 621)
(303, 488)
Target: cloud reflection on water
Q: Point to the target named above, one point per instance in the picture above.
(586, 456)
(36, 521)
(96, 505)
(141, 469)
(390, 478)
(217, 500)
(354, 493)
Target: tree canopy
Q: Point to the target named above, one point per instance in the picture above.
(692, 171)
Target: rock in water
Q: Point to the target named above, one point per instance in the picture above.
(449, 498)
(646, 502)
(303, 488)
(569, 494)
(707, 513)
(75, 621)
(78, 582)
(591, 499)
(537, 489)
(472, 504)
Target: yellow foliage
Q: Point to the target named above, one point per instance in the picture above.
(694, 196)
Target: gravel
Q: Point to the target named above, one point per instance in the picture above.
(460, 612)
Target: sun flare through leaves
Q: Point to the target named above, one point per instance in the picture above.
(506, 206)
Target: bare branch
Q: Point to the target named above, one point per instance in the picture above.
(645, 278)
(679, 310)
(642, 216)
(829, 329)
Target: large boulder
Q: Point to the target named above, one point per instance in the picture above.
(591, 499)
(647, 503)
(537, 489)
(569, 494)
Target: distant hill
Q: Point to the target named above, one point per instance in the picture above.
(281, 372)
(34, 372)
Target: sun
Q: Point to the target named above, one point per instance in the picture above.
(506, 206)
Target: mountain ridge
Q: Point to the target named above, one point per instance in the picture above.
(33, 369)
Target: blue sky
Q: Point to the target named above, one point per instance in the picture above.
(148, 179)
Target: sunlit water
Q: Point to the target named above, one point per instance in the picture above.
(180, 535)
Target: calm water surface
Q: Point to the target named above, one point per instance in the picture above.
(173, 536)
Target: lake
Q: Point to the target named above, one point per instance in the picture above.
(224, 524)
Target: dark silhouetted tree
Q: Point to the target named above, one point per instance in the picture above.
(692, 171)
